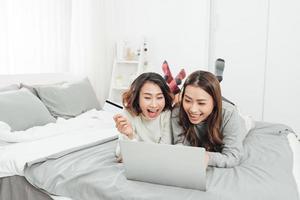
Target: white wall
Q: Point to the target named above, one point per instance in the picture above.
(238, 35)
(176, 31)
(282, 96)
(260, 43)
(259, 40)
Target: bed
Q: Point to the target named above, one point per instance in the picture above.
(74, 159)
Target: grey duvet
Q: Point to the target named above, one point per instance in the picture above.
(18, 188)
(92, 173)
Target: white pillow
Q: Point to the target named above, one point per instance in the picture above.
(4, 127)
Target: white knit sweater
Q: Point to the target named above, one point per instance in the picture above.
(156, 131)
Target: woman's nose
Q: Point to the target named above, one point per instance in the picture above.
(193, 108)
(153, 103)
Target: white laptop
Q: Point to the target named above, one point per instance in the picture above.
(174, 165)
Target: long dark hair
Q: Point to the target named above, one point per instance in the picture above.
(212, 139)
(131, 97)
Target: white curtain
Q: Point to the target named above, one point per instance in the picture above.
(53, 36)
(92, 42)
(34, 36)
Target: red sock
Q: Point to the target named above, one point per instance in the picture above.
(168, 75)
(180, 76)
(173, 87)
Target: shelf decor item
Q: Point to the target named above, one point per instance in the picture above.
(130, 61)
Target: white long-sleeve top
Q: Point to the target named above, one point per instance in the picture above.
(157, 130)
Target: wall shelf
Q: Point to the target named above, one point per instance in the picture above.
(124, 72)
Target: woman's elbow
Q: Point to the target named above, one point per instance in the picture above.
(234, 160)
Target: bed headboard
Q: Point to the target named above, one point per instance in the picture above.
(37, 78)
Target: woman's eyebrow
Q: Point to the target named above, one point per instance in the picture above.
(199, 100)
(148, 93)
(187, 96)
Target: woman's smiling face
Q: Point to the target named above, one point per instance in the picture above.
(151, 100)
(197, 104)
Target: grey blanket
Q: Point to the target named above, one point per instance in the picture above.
(92, 173)
(18, 188)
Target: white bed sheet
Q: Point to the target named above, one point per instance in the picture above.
(59, 128)
(295, 145)
(87, 128)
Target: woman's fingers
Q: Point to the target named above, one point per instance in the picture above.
(123, 125)
(119, 118)
(206, 159)
(115, 117)
(121, 122)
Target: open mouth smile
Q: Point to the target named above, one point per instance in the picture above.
(152, 113)
(195, 117)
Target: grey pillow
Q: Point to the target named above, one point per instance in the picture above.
(69, 99)
(32, 88)
(21, 110)
(9, 87)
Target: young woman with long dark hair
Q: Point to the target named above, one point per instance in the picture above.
(202, 119)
